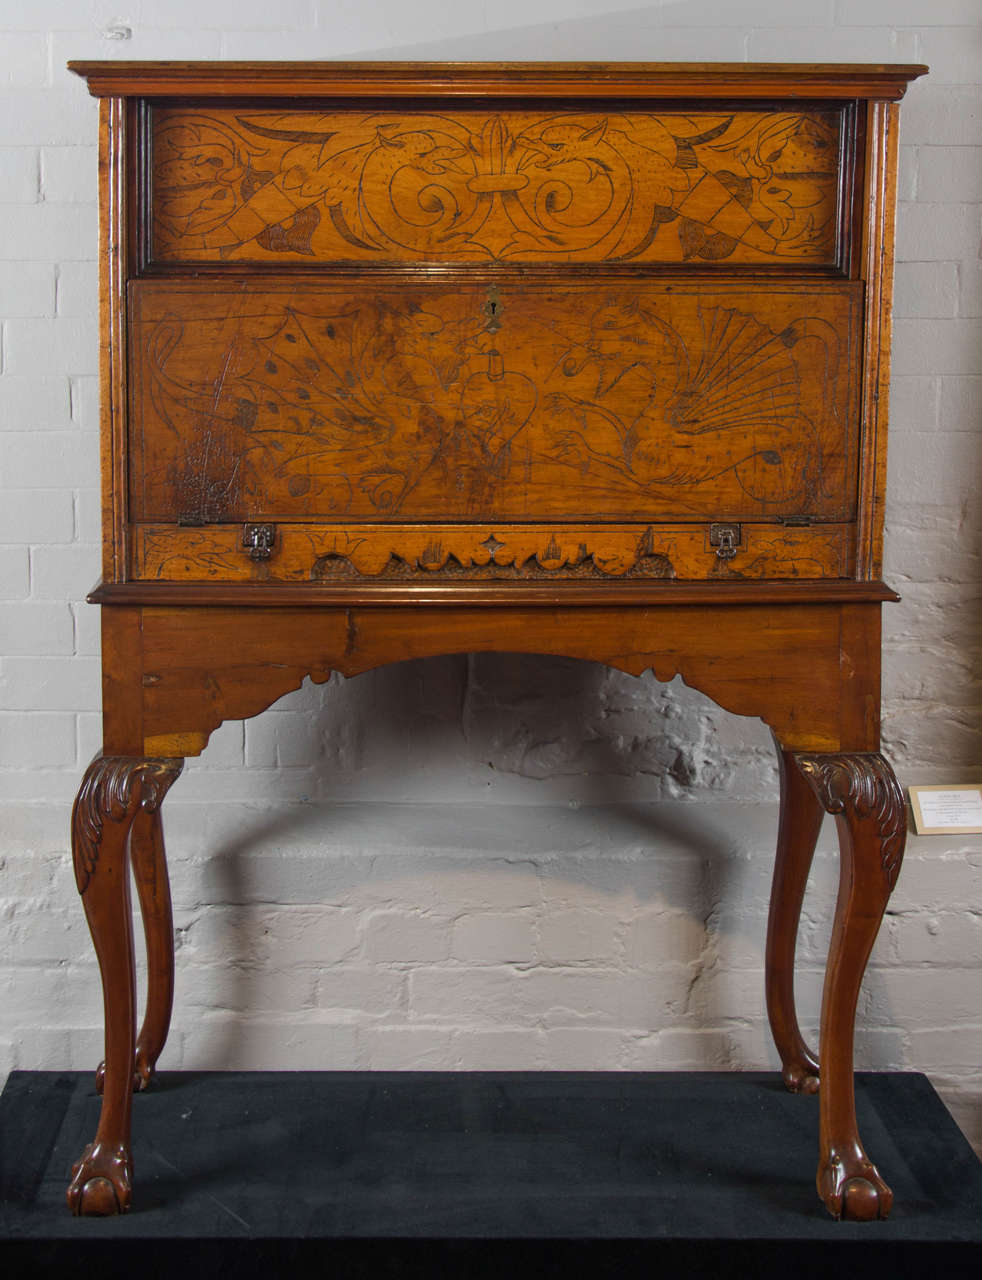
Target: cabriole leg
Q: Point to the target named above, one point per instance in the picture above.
(799, 825)
(862, 792)
(153, 890)
(149, 862)
(113, 792)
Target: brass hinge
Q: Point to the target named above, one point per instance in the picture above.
(260, 539)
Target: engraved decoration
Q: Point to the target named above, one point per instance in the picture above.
(325, 553)
(412, 404)
(514, 554)
(107, 792)
(516, 186)
(866, 783)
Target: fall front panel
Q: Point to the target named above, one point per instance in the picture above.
(434, 402)
(241, 184)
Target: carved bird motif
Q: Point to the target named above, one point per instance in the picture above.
(665, 409)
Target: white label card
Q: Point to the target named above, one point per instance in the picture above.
(940, 809)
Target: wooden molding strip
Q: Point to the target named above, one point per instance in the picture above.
(495, 79)
(493, 594)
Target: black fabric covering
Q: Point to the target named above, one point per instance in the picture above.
(434, 1174)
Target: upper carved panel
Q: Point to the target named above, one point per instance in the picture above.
(507, 186)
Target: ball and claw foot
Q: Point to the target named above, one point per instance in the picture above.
(101, 1182)
(143, 1073)
(799, 1079)
(853, 1190)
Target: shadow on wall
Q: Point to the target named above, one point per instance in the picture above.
(514, 786)
(650, 878)
(515, 728)
(435, 778)
(677, 895)
(661, 894)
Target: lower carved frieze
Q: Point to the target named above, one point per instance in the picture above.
(332, 553)
(505, 558)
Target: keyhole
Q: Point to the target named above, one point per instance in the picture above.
(492, 309)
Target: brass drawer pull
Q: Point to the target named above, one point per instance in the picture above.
(725, 538)
(260, 539)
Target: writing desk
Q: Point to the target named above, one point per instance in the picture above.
(405, 359)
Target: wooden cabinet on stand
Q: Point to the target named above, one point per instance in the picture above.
(405, 359)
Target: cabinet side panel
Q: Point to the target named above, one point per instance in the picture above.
(877, 267)
(122, 680)
(113, 271)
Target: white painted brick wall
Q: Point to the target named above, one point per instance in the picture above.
(494, 861)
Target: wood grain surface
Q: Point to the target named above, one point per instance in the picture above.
(545, 186)
(426, 402)
(200, 666)
(461, 80)
(324, 553)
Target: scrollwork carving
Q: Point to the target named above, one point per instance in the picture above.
(618, 187)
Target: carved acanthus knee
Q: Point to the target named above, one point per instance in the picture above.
(863, 787)
(113, 788)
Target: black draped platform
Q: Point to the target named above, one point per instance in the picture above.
(437, 1174)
